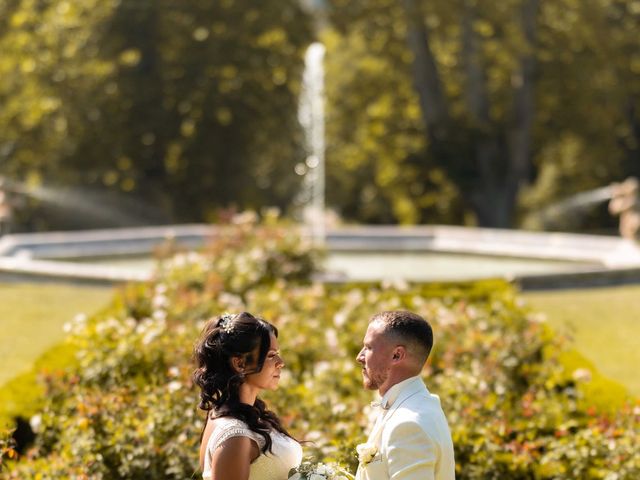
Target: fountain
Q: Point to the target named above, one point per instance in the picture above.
(88, 207)
(6, 208)
(311, 117)
(362, 253)
(623, 198)
(625, 202)
(575, 205)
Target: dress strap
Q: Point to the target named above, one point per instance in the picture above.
(229, 428)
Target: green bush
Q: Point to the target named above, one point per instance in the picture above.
(6, 448)
(127, 408)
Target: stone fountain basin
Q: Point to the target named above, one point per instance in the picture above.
(534, 260)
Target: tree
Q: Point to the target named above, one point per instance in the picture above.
(188, 106)
(497, 85)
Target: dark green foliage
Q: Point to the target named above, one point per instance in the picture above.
(160, 109)
(578, 114)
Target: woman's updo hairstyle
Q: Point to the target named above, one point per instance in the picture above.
(224, 338)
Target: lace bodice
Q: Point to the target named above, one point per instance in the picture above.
(287, 453)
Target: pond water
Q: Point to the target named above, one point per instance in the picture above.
(436, 266)
(412, 266)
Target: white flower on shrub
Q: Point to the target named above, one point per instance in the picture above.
(149, 337)
(537, 317)
(255, 254)
(320, 368)
(581, 375)
(248, 217)
(174, 386)
(160, 301)
(285, 378)
(159, 315)
(36, 423)
(338, 408)
(397, 284)
(331, 337)
(340, 318)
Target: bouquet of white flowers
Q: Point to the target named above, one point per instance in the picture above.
(319, 471)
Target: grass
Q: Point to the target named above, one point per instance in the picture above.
(604, 324)
(31, 320)
(32, 316)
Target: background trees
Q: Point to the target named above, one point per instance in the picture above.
(453, 111)
(479, 112)
(188, 105)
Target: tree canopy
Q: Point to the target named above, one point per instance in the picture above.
(479, 112)
(440, 111)
(186, 104)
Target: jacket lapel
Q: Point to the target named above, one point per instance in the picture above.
(411, 390)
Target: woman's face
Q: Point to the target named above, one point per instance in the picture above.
(269, 377)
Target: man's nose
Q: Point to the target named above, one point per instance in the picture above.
(360, 357)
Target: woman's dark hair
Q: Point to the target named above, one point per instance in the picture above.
(222, 339)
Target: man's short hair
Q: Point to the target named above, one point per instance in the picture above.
(410, 328)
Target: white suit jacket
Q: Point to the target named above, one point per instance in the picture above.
(412, 440)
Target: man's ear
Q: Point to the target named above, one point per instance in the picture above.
(399, 353)
(238, 364)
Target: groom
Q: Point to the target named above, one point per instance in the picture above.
(410, 439)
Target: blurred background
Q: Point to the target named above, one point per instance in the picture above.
(132, 112)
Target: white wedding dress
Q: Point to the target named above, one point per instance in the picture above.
(287, 453)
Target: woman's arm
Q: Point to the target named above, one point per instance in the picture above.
(232, 460)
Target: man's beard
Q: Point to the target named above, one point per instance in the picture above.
(373, 381)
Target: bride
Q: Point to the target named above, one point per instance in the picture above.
(237, 357)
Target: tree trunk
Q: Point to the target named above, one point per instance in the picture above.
(631, 145)
(523, 108)
(504, 166)
(425, 73)
(501, 160)
(487, 196)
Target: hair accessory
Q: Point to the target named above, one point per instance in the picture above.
(225, 323)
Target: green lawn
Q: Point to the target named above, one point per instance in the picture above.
(32, 316)
(604, 324)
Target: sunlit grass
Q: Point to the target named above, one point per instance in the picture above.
(605, 326)
(31, 321)
(32, 317)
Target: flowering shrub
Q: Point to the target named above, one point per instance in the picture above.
(273, 252)
(127, 408)
(6, 448)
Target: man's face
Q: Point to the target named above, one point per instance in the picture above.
(375, 357)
